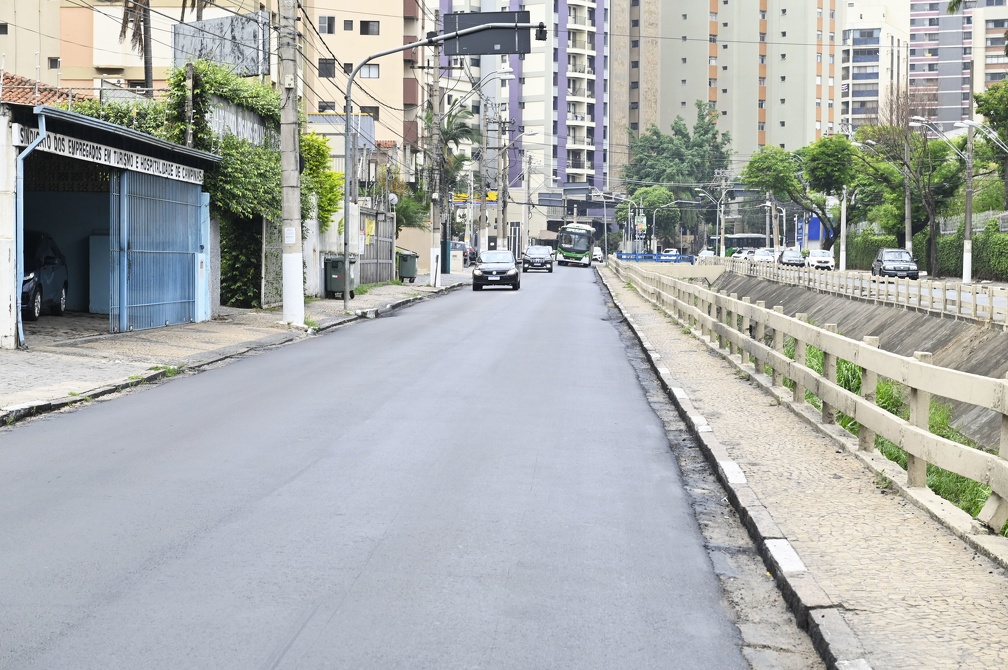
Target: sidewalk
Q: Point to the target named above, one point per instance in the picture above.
(74, 357)
(877, 581)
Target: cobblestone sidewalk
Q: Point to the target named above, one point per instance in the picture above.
(879, 582)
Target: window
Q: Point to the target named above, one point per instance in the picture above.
(370, 111)
(633, 105)
(781, 124)
(369, 27)
(54, 63)
(761, 126)
(762, 37)
(761, 104)
(326, 25)
(348, 25)
(3, 29)
(369, 71)
(682, 103)
(634, 64)
(327, 67)
(634, 44)
(724, 90)
(783, 77)
(783, 56)
(782, 101)
(347, 68)
(326, 106)
(783, 33)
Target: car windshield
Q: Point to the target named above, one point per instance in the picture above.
(792, 254)
(820, 253)
(764, 252)
(537, 251)
(897, 255)
(496, 257)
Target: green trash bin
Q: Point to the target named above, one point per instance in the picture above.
(336, 280)
(408, 266)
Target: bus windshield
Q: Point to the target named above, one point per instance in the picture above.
(575, 240)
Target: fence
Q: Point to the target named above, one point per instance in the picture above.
(758, 335)
(981, 303)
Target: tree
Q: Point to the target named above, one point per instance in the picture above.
(663, 223)
(136, 20)
(677, 161)
(196, 6)
(993, 104)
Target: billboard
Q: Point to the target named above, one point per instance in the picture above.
(240, 43)
(491, 41)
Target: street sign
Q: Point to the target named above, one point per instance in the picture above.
(487, 42)
(640, 221)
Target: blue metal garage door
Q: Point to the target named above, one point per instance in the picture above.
(154, 240)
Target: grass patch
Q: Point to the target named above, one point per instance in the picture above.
(964, 493)
(169, 370)
(364, 288)
(687, 330)
(311, 323)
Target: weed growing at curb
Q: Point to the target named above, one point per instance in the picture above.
(311, 323)
(169, 370)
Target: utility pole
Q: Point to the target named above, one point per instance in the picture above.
(290, 177)
(528, 198)
(437, 207)
(484, 224)
(504, 233)
(906, 194)
(843, 230)
(968, 230)
(769, 204)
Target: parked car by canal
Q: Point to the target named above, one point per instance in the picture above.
(820, 259)
(791, 257)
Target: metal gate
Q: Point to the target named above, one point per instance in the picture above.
(272, 264)
(154, 240)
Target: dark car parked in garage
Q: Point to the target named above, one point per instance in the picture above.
(894, 263)
(45, 276)
(496, 268)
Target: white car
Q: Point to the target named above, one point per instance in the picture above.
(763, 256)
(820, 259)
(597, 254)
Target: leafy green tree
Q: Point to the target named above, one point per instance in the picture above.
(676, 162)
(993, 104)
(657, 205)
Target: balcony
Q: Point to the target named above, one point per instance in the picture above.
(410, 56)
(579, 119)
(410, 91)
(581, 45)
(411, 132)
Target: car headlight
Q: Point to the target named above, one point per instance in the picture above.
(477, 273)
(30, 275)
(512, 271)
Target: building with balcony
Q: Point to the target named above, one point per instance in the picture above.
(766, 69)
(873, 60)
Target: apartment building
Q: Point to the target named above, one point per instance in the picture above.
(30, 39)
(768, 69)
(547, 112)
(945, 48)
(875, 52)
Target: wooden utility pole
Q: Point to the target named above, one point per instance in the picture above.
(290, 177)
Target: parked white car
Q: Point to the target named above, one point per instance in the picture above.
(763, 256)
(820, 259)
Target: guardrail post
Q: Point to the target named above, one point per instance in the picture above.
(760, 335)
(746, 325)
(732, 318)
(829, 364)
(869, 387)
(995, 510)
(778, 346)
(920, 410)
(799, 357)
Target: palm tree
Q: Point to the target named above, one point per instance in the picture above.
(196, 6)
(137, 18)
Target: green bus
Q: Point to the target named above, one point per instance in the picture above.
(574, 244)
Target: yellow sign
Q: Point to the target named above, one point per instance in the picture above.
(464, 197)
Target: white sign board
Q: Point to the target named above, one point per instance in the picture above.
(93, 152)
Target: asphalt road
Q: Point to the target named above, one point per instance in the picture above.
(475, 481)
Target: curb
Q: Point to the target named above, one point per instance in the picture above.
(832, 638)
(15, 413)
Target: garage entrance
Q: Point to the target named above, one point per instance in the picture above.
(127, 212)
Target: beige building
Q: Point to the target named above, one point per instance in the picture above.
(768, 69)
(874, 59)
(30, 39)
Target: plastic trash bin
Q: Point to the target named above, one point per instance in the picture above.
(408, 266)
(336, 277)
